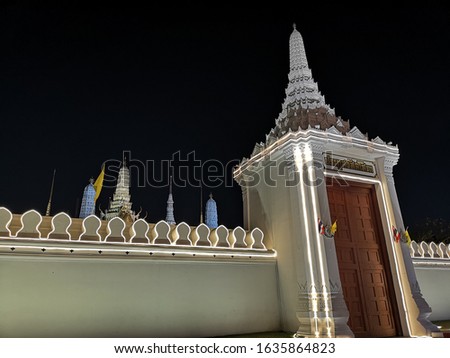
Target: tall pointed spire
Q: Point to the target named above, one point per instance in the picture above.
(297, 53)
(49, 204)
(201, 203)
(170, 218)
(211, 219)
(121, 201)
(304, 105)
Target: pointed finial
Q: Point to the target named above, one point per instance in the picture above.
(297, 50)
(124, 160)
(170, 185)
(294, 26)
(91, 181)
(49, 204)
(201, 203)
(210, 195)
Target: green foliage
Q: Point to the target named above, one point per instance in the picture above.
(428, 230)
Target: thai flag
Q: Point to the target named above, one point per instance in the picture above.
(321, 227)
(396, 233)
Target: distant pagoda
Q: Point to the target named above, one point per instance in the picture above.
(170, 218)
(88, 201)
(211, 219)
(121, 204)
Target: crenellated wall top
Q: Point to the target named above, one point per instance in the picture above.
(31, 232)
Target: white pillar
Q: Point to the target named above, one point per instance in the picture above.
(422, 305)
(339, 308)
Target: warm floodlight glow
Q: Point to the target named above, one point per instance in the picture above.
(309, 158)
(299, 162)
(98, 248)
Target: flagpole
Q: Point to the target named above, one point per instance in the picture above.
(49, 204)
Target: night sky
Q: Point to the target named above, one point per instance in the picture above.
(80, 86)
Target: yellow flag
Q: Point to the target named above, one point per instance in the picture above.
(408, 238)
(99, 183)
(333, 227)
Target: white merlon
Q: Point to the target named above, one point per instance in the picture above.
(31, 233)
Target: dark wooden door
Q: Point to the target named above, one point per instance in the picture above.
(362, 261)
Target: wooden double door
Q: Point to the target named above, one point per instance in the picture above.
(363, 262)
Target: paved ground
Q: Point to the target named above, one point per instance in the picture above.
(445, 328)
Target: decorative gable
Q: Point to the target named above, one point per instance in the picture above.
(356, 133)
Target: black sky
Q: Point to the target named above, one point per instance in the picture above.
(80, 85)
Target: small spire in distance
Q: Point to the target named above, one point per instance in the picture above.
(211, 213)
(49, 204)
(170, 218)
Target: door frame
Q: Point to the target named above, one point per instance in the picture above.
(383, 250)
(390, 257)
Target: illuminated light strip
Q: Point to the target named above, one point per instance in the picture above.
(418, 261)
(273, 254)
(375, 181)
(299, 163)
(309, 157)
(321, 135)
(127, 244)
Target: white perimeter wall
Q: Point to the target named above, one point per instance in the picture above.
(90, 297)
(435, 286)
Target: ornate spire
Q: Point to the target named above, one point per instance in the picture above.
(211, 213)
(201, 203)
(121, 198)
(88, 201)
(170, 218)
(49, 204)
(297, 53)
(304, 105)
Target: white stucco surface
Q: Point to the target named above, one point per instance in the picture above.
(435, 287)
(128, 297)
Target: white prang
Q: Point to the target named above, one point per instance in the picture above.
(121, 198)
(302, 91)
(170, 218)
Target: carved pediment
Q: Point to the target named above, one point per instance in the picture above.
(270, 138)
(378, 140)
(333, 130)
(356, 133)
